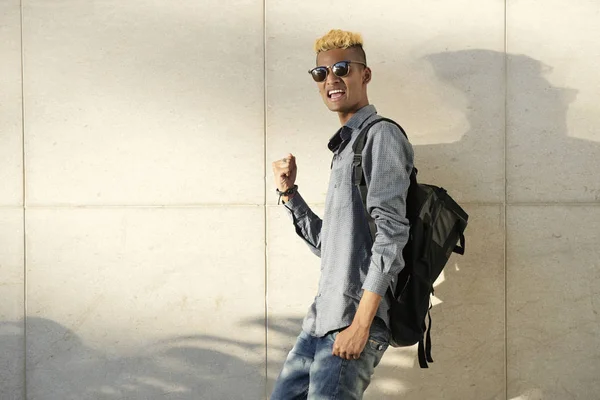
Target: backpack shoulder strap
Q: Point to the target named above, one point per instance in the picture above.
(359, 143)
(358, 178)
(358, 147)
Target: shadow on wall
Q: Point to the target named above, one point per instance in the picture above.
(61, 366)
(541, 156)
(540, 149)
(199, 367)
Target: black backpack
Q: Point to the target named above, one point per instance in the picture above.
(437, 224)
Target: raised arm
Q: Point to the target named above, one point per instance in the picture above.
(307, 223)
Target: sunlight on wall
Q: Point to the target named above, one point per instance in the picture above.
(570, 71)
(390, 386)
(531, 394)
(398, 358)
(446, 110)
(441, 279)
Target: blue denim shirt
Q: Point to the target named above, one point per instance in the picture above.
(350, 260)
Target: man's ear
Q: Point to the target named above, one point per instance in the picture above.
(367, 75)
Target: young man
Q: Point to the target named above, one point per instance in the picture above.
(345, 332)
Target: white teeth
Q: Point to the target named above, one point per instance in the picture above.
(335, 91)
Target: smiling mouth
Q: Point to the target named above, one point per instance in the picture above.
(336, 94)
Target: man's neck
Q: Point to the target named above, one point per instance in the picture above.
(345, 116)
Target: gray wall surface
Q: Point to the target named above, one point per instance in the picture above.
(142, 251)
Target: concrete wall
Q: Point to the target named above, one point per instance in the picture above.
(142, 253)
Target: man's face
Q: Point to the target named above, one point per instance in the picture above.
(353, 85)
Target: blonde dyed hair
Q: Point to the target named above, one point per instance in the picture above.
(338, 39)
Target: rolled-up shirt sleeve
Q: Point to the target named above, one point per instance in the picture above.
(387, 163)
(307, 223)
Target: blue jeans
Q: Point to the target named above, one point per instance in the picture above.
(312, 372)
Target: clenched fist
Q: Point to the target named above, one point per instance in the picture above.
(285, 172)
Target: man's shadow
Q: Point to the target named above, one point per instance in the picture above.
(540, 155)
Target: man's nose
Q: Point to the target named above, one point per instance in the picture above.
(331, 77)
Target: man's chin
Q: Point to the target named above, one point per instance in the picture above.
(336, 107)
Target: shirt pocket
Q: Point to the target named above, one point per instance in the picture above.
(341, 191)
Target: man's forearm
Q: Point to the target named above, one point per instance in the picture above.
(308, 224)
(367, 308)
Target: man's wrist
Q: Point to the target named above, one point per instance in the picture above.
(285, 199)
(361, 325)
(287, 195)
(362, 320)
(287, 192)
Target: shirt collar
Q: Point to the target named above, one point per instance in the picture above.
(355, 122)
(361, 116)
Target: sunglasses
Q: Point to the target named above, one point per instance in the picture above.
(339, 69)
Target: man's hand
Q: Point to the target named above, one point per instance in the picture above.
(285, 171)
(350, 342)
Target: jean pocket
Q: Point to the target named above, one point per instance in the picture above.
(377, 344)
(333, 335)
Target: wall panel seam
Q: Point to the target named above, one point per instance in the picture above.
(265, 225)
(23, 203)
(505, 200)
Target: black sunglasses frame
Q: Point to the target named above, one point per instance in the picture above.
(331, 67)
